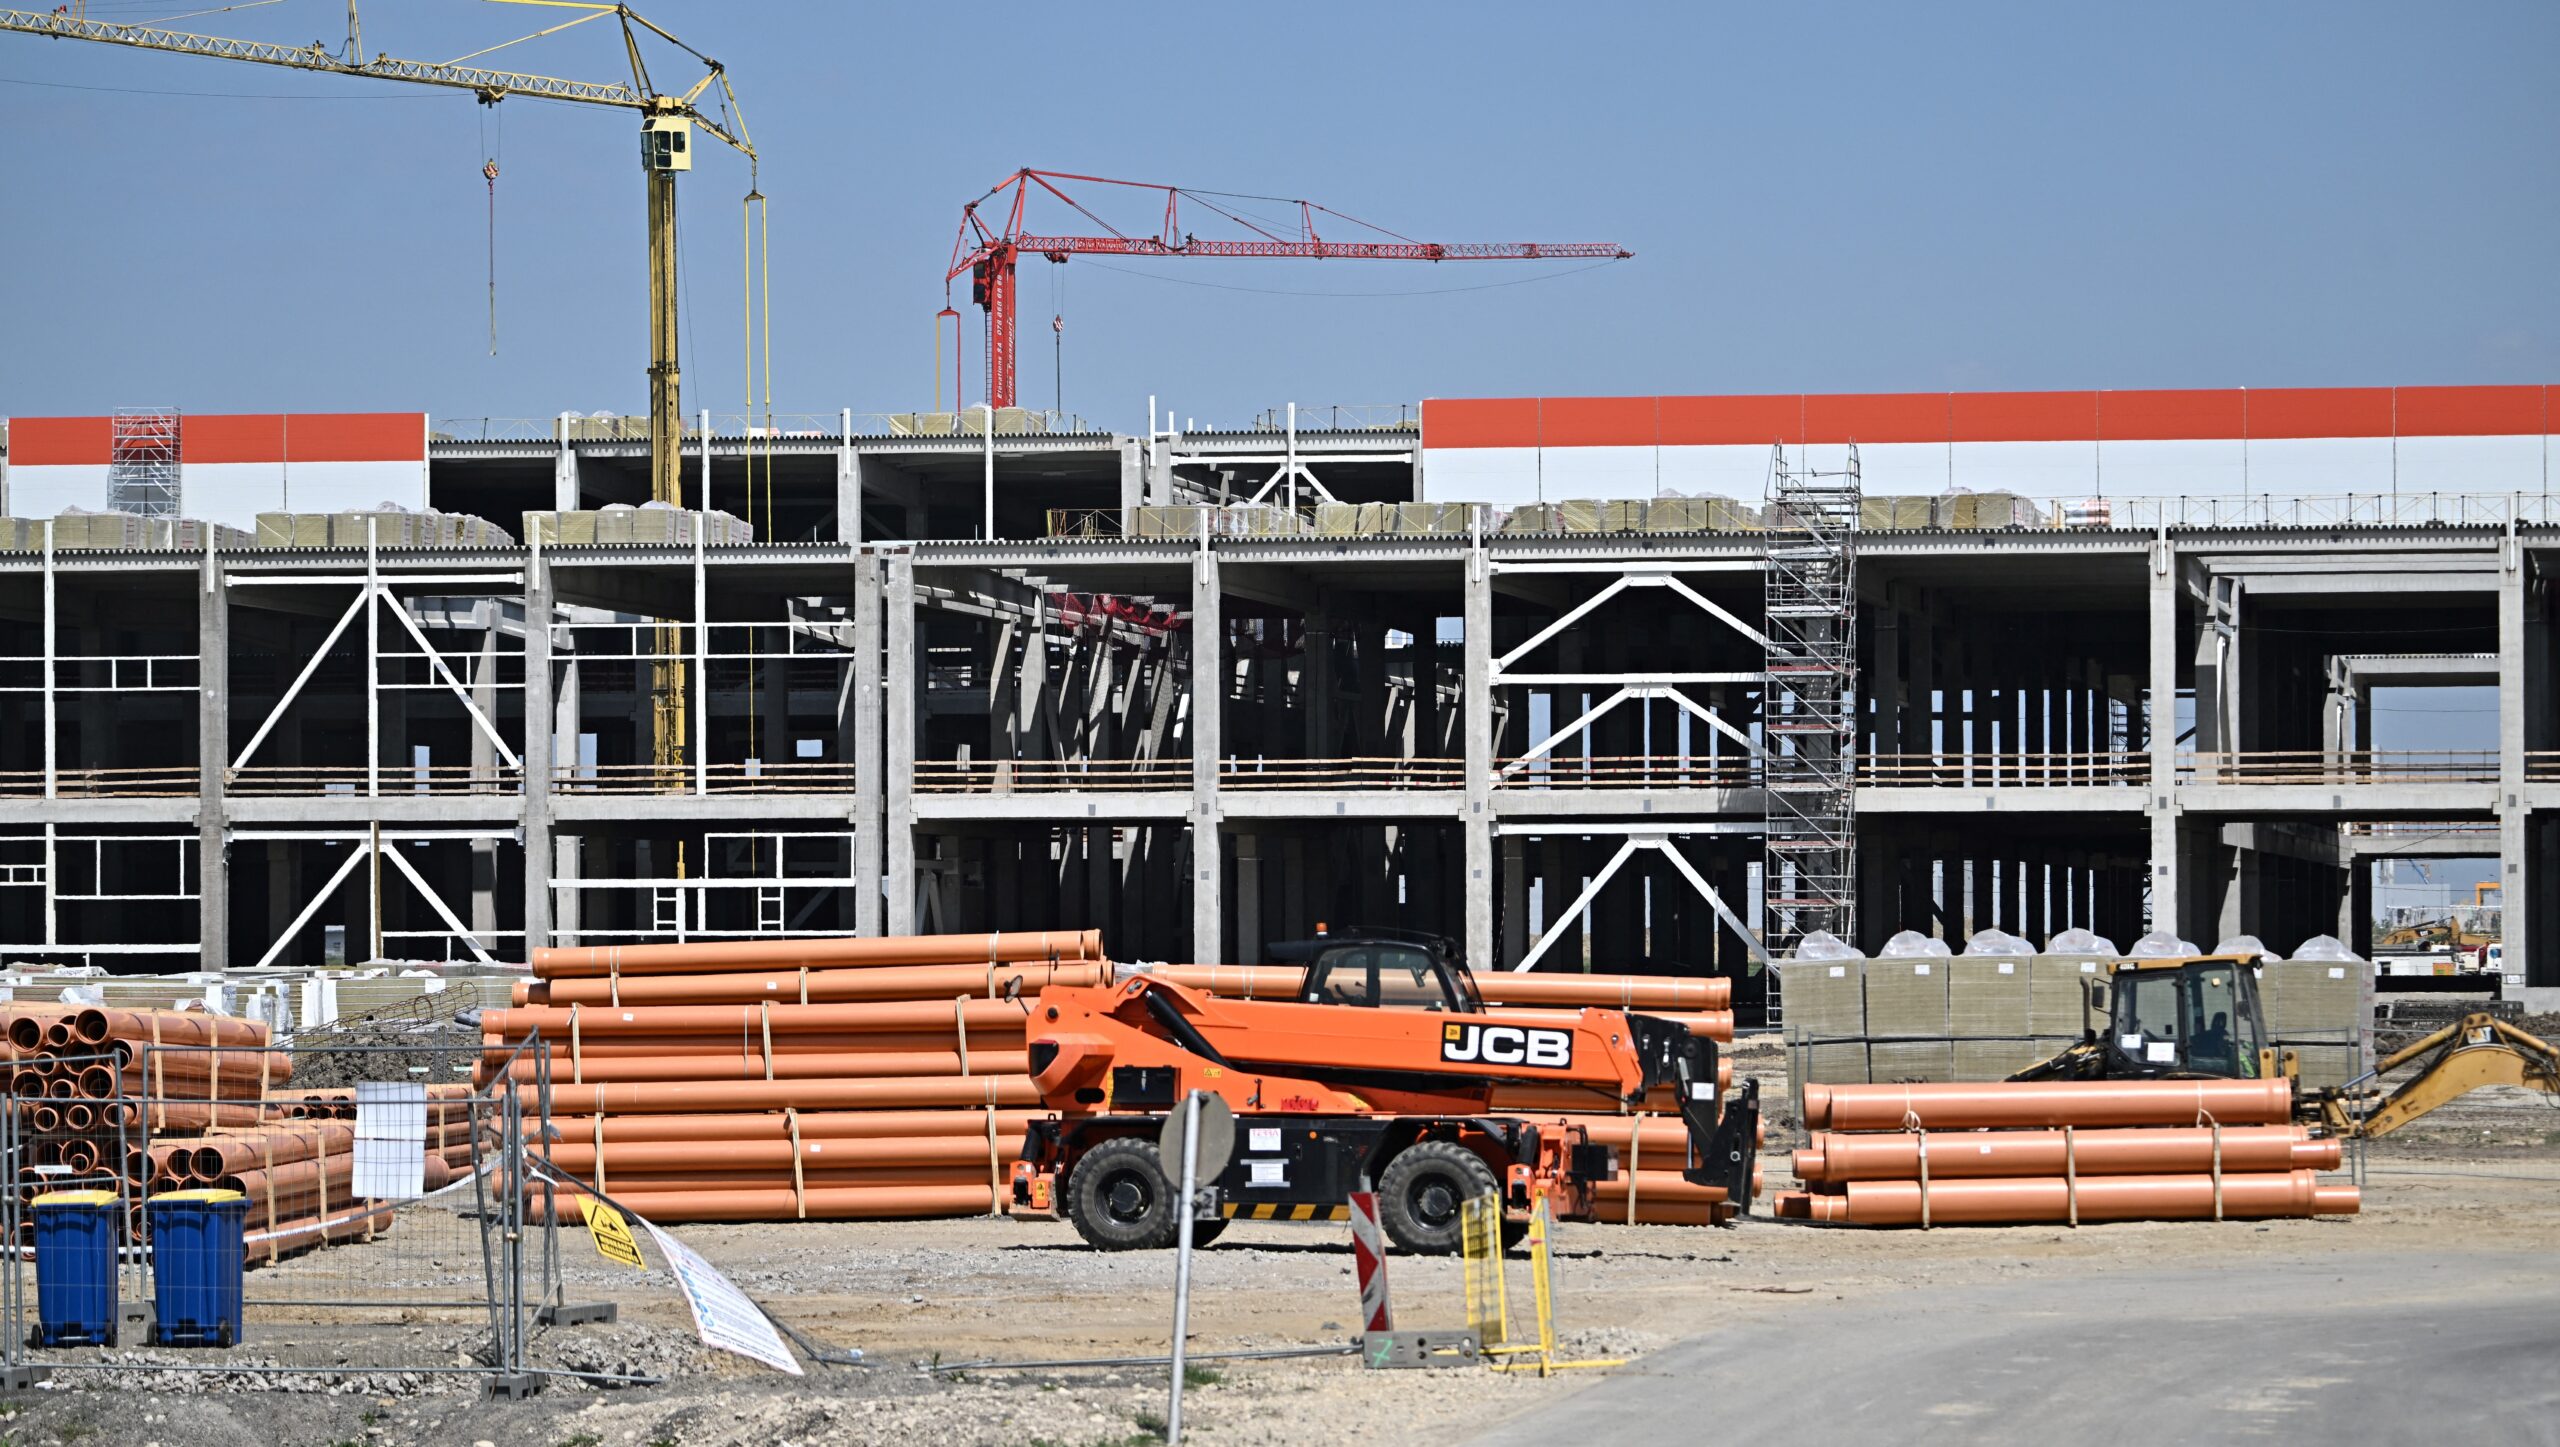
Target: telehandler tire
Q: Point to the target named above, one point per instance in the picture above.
(1118, 1197)
(1420, 1194)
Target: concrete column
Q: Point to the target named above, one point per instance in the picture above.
(213, 755)
(1475, 694)
(2161, 730)
(543, 746)
(564, 472)
(848, 485)
(1133, 483)
(2515, 820)
(1885, 686)
(1208, 697)
(903, 704)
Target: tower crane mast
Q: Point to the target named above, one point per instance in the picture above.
(667, 121)
(995, 235)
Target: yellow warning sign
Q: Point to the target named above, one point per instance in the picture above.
(612, 1234)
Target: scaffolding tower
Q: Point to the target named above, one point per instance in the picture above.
(1808, 708)
(142, 463)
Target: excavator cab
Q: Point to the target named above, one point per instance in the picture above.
(2172, 1019)
(1373, 968)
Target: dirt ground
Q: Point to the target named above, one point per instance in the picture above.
(2480, 1178)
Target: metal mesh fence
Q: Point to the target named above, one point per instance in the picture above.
(371, 1196)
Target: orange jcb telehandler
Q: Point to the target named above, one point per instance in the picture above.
(1382, 1069)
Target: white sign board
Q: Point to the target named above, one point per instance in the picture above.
(391, 1139)
(723, 1314)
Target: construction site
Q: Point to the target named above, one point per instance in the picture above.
(974, 924)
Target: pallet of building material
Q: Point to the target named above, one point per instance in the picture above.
(1987, 997)
(2058, 994)
(1532, 517)
(1826, 999)
(1984, 511)
(1625, 515)
(1577, 517)
(2312, 999)
(22, 535)
(1995, 1059)
(1893, 1061)
(1907, 1000)
(1701, 514)
(1904, 513)
(194, 535)
(923, 424)
(100, 530)
(646, 525)
(1428, 519)
(1337, 519)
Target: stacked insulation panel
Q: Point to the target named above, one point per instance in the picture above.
(1651, 1140)
(2060, 1152)
(100, 1107)
(791, 1079)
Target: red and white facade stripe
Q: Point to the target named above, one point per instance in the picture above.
(2294, 441)
(231, 468)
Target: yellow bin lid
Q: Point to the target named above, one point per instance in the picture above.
(75, 1198)
(202, 1195)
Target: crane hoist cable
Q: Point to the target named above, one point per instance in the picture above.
(489, 170)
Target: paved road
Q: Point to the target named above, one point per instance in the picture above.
(2334, 1350)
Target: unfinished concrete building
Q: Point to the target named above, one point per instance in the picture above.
(1498, 670)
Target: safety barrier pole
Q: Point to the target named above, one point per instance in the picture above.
(1186, 1203)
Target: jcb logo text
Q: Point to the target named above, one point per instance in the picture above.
(1507, 1045)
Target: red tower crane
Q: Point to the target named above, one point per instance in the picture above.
(987, 253)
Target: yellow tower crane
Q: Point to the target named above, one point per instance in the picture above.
(667, 123)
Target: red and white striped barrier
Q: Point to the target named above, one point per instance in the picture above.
(1369, 1254)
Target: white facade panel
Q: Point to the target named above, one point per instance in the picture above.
(2475, 464)
(1505, 476)
(2032, 469)
(2212, 467)
(236, 492)
(42, 492)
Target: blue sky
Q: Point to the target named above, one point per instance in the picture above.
(1821, 197)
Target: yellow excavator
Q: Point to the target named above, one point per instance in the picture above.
(2199, 1018)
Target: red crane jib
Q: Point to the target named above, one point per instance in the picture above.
(989, 254)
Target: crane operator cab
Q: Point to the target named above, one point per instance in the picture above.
(2171, 1019)
(1390, 968)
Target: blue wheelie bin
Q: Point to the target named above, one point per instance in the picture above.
(197, 1258)
(76, 1268)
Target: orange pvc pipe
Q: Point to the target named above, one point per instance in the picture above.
(1654, 1186)
(1644, 993)
(628, 1047)
(2140, 1151)
(618, 1180)
(834, 1203)
(95, 1026)
(217, 1156)
(710, 1154)
(335, 1173)
(28, 1019)
(79, 1117)
(885, 1016)
(1008, 947)
(1716, 1025)
(781, 986)
(730, 1066)
(200, 1061)
(57, 1035)
(1978, 1104)
(2100, 1198)
(686, 1097)
(970, 1122)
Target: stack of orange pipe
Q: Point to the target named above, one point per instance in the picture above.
(2060, 1151)
(788, 1079)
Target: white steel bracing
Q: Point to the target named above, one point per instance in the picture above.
(1808, 708)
